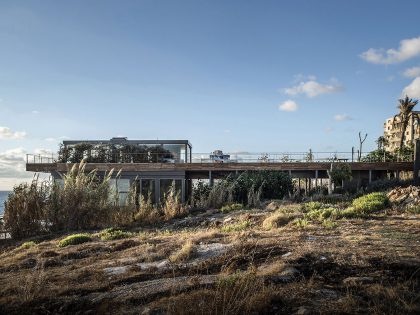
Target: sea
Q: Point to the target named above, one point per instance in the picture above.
(3, 197)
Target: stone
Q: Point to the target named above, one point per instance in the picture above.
(302, 310)
(357, 280)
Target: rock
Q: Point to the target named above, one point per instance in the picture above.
(286, 255)
(113, 271)
(228, 219)
(302, 310)
(357, 280)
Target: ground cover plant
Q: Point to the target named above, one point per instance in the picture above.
(75, 239)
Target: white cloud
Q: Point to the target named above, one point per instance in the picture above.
(227, 131)
(413, 89)
(412, 72)
(328, 129)
(342, 117)
(12, 163)
(50, 139)
(35, 112)
(409, 48)
(288, 106)
(7, 133)
(44, 152)
(311, 88)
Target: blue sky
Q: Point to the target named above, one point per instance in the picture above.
(235, 75)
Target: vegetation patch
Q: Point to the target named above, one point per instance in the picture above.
(187, 251)
(113, 234)
(237, 227)
(232, 207)
(276, 220)
(370, 203)
(75, 239)
(27, 245)
(301, 223)
(322, 214)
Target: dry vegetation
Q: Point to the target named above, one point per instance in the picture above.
(232, 262)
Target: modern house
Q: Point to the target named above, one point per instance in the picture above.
(392, 132)
(117, 153)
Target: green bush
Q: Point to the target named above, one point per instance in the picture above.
(232, 207)
(301, 223)
(113, 234)
(370, 203)
(75, 239)
(351, 213)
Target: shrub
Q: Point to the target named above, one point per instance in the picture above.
(329, 224)
(310, 206)
(370, 203)
(276, 220)
(351, 213)
(322, 214)
(24, 209)
(301, 223)
(387, 184)
(232, 207)
(172, 206)
(113, 234)
(75, 239)
(27, 245)
(236, 227)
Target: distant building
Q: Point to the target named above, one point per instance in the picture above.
(392, 132)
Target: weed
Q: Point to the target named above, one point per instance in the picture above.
(75, 239)
(329, 224)
(301, 223)
(310, 206)
(231, 207)
(27, 245)
(113, 234)
(241, 226)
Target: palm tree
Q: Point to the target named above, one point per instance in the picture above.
(405, 106)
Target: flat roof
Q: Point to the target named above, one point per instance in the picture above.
(122, 140)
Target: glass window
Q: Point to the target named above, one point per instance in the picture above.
(148, 189)
(167, 184)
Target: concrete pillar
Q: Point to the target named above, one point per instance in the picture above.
(183, 192)
(397, 174)
(316, 178)
(211, 181)
(157, 190)
(370, 176)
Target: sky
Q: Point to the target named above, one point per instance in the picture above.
(255, 76)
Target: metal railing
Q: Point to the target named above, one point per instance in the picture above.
(239, 157)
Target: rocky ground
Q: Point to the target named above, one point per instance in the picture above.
(223, 263)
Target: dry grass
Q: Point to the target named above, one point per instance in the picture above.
(186, 252)
(276, 220)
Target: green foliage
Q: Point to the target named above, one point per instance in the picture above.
(380, 155)
(246, 188)
(27, 245)
(340, 172)
(232, 207)
(310, 206)
(329, 223)
(301, 223)
(241, 226)
(113, 234)
(321, 214)
(75, 239)
(370, 203)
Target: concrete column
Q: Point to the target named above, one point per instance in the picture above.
(183, 192)
(370, 176)
(211, 182)
(157, 190)
(316, 178)
(397, 174)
